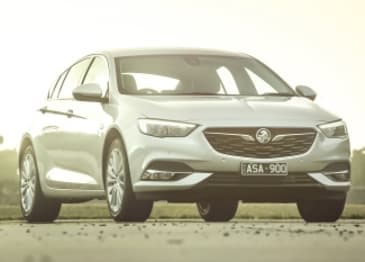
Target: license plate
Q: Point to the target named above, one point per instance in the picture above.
(264, 169)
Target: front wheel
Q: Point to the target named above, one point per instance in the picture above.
(217, 211)
(119, 194)
(35, 206)
(324, 210)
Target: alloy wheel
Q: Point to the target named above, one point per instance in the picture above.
(115, 180)
(27, 182)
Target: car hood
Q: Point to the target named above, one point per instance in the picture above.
(280, 110)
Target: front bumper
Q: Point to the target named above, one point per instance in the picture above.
(213, 186)
(204, 161)
(234, 180)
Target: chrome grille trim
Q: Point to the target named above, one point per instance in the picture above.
(281, 137)
(252, 139)
(240, 141)
(243, 136)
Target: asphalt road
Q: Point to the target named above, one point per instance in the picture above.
(183, 240)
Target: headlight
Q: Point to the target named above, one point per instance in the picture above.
(334, 130)
(162, 128)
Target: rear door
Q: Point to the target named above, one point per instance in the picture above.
(56, 138)
(50, 119)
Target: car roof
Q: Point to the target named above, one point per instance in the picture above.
(169, 51)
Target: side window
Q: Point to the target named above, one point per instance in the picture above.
(98, 74)
(53, 91)
(73, 79)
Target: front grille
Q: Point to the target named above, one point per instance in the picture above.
(235, 179)
(242, 142)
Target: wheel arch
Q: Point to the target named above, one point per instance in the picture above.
(112, 133)
(25, 141)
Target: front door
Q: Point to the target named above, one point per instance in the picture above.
(85, 127)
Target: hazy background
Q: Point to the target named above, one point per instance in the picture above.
(317, 43)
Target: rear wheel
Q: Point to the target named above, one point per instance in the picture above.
(119, 194)
(324, 210)
(35, 207)
(217, 211)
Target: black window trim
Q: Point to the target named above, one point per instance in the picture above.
(91, 57)
(94, 56)
(88, 69)
(54, 88)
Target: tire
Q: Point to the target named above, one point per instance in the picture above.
(118, 187)
(218, 211)
(324, 210)
(34, 205)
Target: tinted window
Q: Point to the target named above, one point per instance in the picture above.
(98, 73)
(261, 85)
(73, 79)
(197, 75)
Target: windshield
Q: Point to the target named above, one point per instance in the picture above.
(197, 75)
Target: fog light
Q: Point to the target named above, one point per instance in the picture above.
(158, 175)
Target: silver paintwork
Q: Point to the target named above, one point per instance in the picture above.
(69, 177)
(68, 137)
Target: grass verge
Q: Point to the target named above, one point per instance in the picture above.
(183, 211)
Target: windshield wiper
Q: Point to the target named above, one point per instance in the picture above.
(277, 94)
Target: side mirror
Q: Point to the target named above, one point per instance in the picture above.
(88, 92)
(306, 92)
(1, 140)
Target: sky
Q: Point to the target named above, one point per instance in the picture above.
(319, 43)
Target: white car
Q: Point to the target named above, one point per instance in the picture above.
(182, 125)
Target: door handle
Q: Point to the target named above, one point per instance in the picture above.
(43, 109)
(70, 113)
